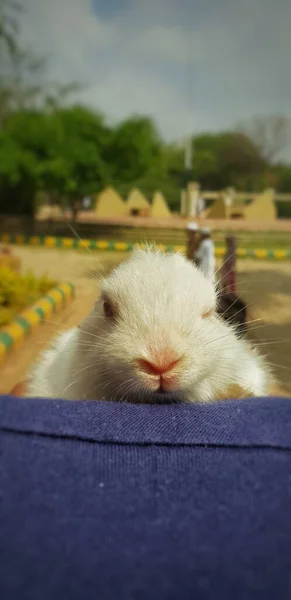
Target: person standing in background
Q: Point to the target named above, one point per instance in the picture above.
(200, 206)
(230, 306)
(87, 202)
(205, 258)
(75, 209)
(228, 269)
(193, 240)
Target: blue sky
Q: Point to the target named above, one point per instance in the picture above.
(107, 10)
(133, 56)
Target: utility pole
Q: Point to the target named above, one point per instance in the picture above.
(188, 156)
(188, 149)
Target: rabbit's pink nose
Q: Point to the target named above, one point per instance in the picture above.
(158, 368)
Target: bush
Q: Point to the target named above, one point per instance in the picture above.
(19, 291)
(284, 210)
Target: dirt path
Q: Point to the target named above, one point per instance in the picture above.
(80, 268)
(16, 367)
(265, 286)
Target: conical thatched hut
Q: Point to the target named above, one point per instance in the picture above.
(110, 204)
(160, 206)
(137, 204)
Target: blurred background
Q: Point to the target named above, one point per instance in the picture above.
(116, 119)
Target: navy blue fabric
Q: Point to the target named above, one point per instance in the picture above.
(109, 501)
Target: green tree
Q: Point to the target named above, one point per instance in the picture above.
(135, 149)
(228, 158)
(9, 10)
(270, 134)
(82, 144)
(283, 176)
(18, 178)
(22, 82)
(68, 147)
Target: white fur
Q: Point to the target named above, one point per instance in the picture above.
(160, 300)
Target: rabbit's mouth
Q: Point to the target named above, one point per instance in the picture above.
(163, 397)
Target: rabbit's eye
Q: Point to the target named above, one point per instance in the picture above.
(108, 310)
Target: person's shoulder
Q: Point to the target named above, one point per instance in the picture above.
(208, 243)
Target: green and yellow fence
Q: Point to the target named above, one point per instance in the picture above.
(66, 242)
(14, 334)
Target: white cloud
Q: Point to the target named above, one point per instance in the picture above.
(135, 60)
(68, 33)
(169, 44)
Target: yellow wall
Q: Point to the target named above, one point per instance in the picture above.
(159, 206)
(237, 210)
(110, 204)
(262, 208)
(136, 200)
(218, 210)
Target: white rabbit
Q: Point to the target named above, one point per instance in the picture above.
(153, 336)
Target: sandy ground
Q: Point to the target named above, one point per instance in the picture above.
(265, 286)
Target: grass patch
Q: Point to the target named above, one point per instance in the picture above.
(19, 291)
